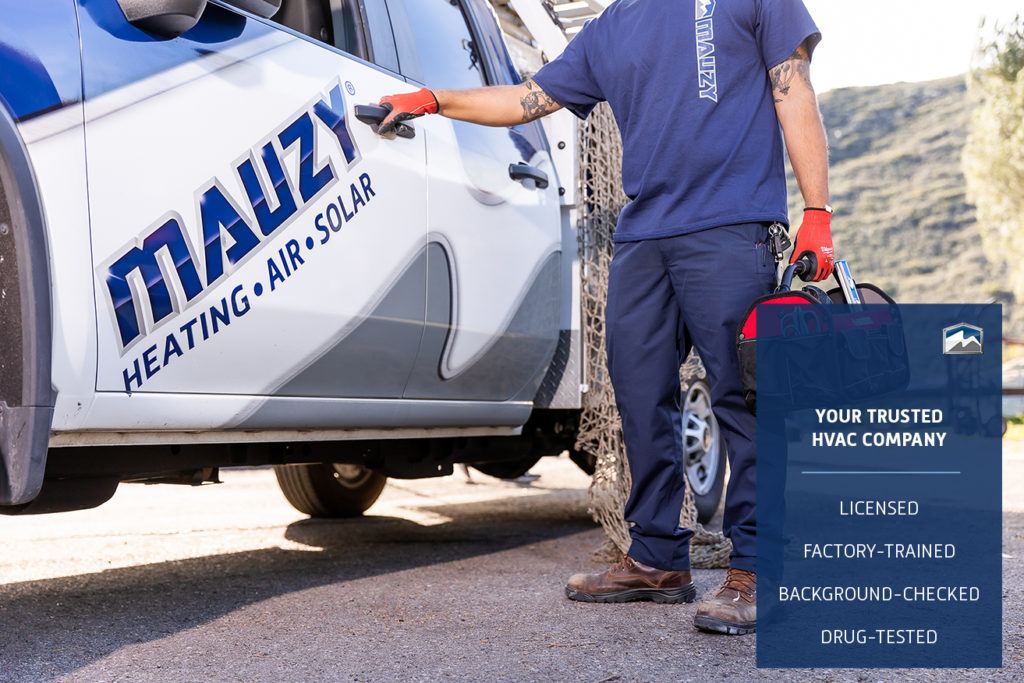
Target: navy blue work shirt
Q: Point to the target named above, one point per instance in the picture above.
(688, 83)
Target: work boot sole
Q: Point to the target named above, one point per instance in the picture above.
(712, 625)
(669, 596)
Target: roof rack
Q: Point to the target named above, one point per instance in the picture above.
(553, 23)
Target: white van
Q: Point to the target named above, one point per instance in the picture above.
(209, 258)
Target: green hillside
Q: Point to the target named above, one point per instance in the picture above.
(902, 218)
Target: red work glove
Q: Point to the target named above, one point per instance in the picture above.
(815, 236)
(406, 106)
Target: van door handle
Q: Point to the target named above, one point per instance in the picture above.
(527, 172)
(373, 115)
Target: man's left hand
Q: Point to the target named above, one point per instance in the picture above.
(815, 236)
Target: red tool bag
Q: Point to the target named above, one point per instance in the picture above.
(868, 350)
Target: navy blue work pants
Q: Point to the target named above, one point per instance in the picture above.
(664, 296)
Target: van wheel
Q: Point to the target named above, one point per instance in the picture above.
(330, 490)
(704, 453)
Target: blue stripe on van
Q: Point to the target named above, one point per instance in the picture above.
(116, 54)
(40, 66)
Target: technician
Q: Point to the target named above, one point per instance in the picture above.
(699, 90)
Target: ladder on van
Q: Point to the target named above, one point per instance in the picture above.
(553, 23)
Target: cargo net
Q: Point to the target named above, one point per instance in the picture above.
(600, 435)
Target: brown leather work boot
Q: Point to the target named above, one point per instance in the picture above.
(628, 580)
(733, 610)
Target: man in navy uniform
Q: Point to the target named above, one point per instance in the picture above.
(699, 90)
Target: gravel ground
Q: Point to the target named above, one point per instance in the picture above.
(443, 580)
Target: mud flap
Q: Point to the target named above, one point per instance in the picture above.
(24, 440)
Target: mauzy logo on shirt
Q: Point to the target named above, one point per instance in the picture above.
(707, 74)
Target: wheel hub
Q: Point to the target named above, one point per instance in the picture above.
(700, 439)
(351, 476)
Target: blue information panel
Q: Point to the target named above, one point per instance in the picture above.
(879, 486)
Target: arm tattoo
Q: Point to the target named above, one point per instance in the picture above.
(797, 65)
(536, 102)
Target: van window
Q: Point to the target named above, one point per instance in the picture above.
(335, 22)
(448, 56)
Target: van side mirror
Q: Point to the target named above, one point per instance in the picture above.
(168, 18)
(261, 8)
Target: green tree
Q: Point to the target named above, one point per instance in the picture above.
(994, 155)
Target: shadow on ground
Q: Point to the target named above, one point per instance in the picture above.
(55, 627)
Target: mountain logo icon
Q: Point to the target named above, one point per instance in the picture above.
(962, 339)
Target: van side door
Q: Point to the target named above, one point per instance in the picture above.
(494, 232)
(250, 237)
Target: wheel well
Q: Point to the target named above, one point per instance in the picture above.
(26, 395)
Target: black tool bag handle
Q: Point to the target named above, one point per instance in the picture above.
(806, 265)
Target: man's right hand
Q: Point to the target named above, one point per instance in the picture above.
(815, 238)
(406, 106)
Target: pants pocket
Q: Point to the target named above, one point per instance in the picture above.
(764, 259)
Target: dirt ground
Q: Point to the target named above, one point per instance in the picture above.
(444, 579)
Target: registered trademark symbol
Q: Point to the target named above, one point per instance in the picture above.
(351, 88)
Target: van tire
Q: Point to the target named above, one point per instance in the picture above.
(330, 490)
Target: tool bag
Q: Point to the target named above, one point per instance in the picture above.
(867, 353)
